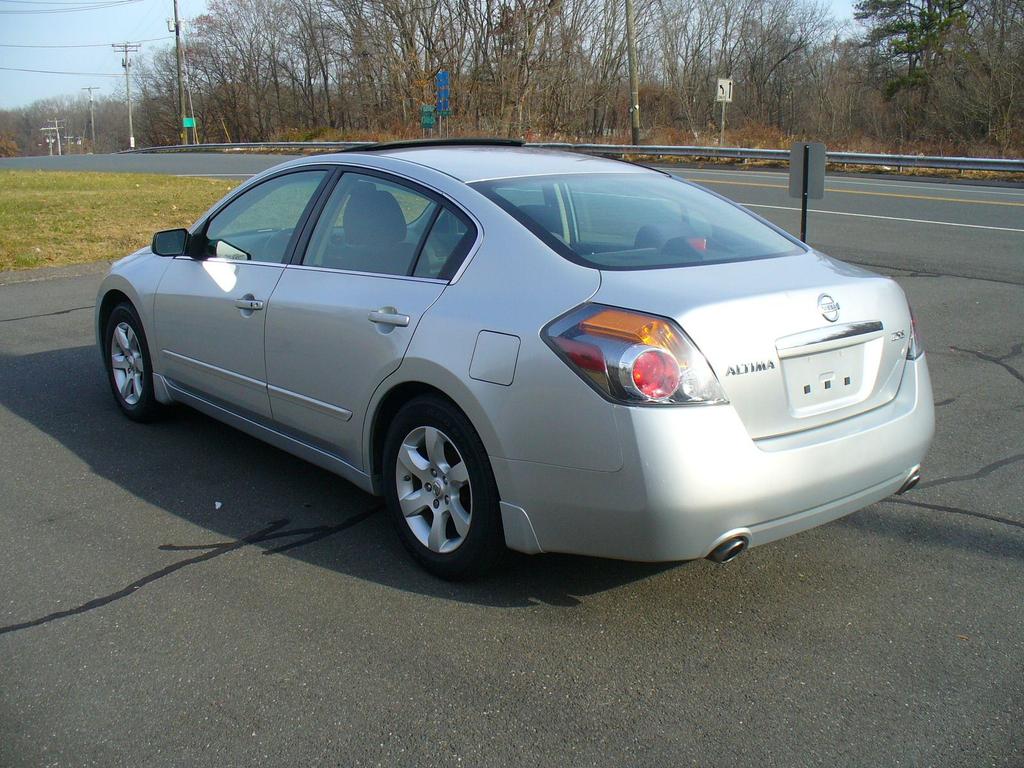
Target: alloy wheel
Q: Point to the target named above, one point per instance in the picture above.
(434, 490)
(127, 363)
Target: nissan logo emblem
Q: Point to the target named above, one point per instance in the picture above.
(828, 307)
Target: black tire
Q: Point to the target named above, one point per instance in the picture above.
(146, 407)
(483, 546)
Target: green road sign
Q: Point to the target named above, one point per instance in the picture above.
(427, 119)
(188, 122)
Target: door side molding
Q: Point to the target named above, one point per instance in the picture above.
(311, 402)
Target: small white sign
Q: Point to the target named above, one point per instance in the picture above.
(724, 92)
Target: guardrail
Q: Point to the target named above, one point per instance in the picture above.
(999, 164)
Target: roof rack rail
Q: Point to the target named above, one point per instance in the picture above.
(471, 141)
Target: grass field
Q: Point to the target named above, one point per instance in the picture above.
(50, 218)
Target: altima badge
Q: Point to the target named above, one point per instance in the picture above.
(741, 368)
(828, 307)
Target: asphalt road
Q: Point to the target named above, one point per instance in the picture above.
(912, 223)
(180, 594)
(240, 164)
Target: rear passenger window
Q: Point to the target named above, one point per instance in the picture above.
(370, 225)
(445, 247)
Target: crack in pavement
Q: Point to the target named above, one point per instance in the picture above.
(1015, 350)
(46, 314)
(947, 401)
(956, 511)
(909, 272)
(274, 530)
(984, 471)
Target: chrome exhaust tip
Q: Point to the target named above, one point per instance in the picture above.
(912, 479)
(728, 550)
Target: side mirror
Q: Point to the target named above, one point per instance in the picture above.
(170, 242)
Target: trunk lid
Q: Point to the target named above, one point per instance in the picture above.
(797, 342)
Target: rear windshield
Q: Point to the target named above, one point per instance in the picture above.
(635, 221)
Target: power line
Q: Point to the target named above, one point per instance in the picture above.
(57, 2)
(58, 72)
(82, 45)
(92, 7)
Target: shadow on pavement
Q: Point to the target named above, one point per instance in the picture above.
(188, 463)
(938, 527)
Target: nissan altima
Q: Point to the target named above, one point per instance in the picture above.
(530, 350)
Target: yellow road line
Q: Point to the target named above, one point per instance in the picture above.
(864, 192)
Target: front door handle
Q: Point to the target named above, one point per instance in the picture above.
(388, 316)
(251, 304)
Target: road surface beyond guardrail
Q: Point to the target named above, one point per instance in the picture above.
(996, 164)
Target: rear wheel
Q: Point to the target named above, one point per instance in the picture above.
(129, 369)
(440, 491)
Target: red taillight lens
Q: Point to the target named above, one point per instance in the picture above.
(632, 357)
(655, 374)
(586, 356)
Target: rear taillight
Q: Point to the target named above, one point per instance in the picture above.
(634, 358)
(916, 348)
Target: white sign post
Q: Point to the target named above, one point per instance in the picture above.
(723, 94)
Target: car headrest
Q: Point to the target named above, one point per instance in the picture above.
(656, 235)
(545, 215)
(373, 217)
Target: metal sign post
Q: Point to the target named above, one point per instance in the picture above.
(723, 94)
(806, 177)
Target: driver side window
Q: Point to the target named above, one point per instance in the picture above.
(258, 225)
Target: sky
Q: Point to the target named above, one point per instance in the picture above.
(130, 20)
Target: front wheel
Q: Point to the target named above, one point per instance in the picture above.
(129, 368)
(440, 490)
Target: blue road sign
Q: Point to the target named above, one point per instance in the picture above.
(442, 85)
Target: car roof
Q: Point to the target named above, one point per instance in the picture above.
(470, 163)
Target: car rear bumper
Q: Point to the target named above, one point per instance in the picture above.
(692, 477)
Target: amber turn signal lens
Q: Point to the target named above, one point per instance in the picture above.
(628, 326)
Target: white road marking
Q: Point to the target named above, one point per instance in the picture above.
(204, 175)
(886, 218)
(830, 179)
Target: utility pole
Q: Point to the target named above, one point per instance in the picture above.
(126, 62)
(182, 132)
(52, 131)
(52, 135)
(634, 85)
(92, 115)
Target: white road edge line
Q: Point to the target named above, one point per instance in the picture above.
(886, 218)
(830, 179)
(202, 175)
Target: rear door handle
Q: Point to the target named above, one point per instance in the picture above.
(250, 304)
(388, 318)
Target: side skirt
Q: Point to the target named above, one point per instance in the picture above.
(296, 447)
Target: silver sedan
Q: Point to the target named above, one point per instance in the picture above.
(533, 350)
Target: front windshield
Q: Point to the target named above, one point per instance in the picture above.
(635, 221)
